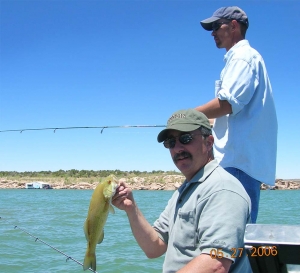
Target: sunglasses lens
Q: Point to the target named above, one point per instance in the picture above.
(170, 143)
(216, 26)
(185, 139)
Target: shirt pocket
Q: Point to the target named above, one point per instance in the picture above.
(185, 236)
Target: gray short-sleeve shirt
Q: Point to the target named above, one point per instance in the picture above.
(205, 215)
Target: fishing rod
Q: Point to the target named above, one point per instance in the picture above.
(43, 242)
(81, 127)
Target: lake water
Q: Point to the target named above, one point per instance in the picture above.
(57, 216)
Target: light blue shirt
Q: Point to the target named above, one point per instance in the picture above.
(247, 138)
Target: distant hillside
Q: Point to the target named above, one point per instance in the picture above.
(84, 179)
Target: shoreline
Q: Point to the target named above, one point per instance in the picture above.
(164, 182)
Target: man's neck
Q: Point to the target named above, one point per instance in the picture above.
(234, 42)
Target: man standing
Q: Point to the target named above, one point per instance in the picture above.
(245, 128)
(204, 221)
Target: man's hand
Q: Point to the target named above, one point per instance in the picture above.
(123, 198)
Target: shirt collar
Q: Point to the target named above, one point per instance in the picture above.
(237, 45)
(201, 175)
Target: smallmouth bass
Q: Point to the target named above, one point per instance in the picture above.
(100, 206)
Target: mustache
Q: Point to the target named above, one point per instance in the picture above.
(180, 155)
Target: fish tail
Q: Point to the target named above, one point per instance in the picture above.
(89, 261)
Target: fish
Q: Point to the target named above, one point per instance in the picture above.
(100, 206)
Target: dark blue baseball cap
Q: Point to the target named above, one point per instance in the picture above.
(230, 13)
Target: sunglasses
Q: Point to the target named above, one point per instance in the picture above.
(184, 139)
(216, 25)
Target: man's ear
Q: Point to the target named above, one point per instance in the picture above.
(209, 141)
(234, 25)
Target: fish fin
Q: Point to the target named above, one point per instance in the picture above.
(85, 228)
(101, 237)
(89, 261)
(111, 209)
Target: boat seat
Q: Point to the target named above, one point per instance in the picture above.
(273, 248)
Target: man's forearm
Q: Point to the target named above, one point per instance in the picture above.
(205, 264)
(145, 234)
(215, 108)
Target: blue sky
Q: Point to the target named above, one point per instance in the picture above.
(108, 63)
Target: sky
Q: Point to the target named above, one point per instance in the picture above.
(66, 63)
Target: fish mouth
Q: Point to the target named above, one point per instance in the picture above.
(114, 189)
(110, 190)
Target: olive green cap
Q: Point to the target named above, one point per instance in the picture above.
(184, 121)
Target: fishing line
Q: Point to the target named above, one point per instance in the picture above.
(81, 127)
(43, 242)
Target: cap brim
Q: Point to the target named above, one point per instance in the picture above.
(207, 23)
(162, 135)
(179, 127)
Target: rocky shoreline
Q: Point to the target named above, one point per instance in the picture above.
(167, 182)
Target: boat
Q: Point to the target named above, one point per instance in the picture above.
(38, 185)
(273, 248)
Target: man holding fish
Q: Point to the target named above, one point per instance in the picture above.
(204, 221)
